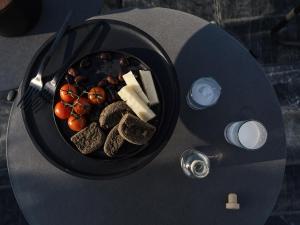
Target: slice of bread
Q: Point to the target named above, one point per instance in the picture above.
(112, 114)
(89, 139)
(113, 142)
(135, 130)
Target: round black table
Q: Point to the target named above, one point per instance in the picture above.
(160, 193)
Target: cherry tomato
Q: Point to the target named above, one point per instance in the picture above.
(68, 93)
(97, 95)
(82, 106)
(62, 111)
(76, 123)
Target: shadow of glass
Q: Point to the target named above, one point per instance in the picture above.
(246, 93)
(54, 12)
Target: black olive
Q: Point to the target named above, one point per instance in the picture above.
(85, 63)
(108, 97)
(80, 79)
(120, 77)
(111, 94)
(72, 72)
(69, 79)
(135, 73)
(105, 56)
(125, 69)
(134, 62)
(123, 61)
(111, 80)
(117, 97)
(120, 86)
(143, 67)
(102, 83)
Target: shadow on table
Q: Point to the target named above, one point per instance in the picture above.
(55, 11)
(10, 213)
(246, 93)
(188, 197)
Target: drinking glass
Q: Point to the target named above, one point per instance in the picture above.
(203, 93)
(248, 134)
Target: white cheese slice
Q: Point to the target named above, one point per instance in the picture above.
(138, 106)
(149, 87)
(132, 82)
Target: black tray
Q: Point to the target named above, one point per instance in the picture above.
(119, 37)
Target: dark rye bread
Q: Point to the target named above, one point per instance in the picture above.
(112, 114)
(113, 142)
(89, 139)
(134, 130)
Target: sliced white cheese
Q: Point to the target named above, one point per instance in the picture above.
(149, 86)
(132, 82)
(138, 106)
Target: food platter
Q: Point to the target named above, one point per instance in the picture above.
(101, 71)
(46, 131)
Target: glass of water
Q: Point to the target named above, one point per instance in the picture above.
(203, 93)
(249, 134)
(195, 164)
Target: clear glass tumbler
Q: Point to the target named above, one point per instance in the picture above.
(203, 93)
(249, 134)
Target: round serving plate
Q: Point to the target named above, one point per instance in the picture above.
(97, 71)
(112, 36)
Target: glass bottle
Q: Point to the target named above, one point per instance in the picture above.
(195, 164)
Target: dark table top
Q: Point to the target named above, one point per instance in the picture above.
(160, 193)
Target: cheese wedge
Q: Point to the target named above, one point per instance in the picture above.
(138, 106)
(132, 82)
(149, 86)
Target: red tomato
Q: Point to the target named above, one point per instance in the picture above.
(76, 123)
(62, 111)
(97, 95)
(82, 106)
(68, 93)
